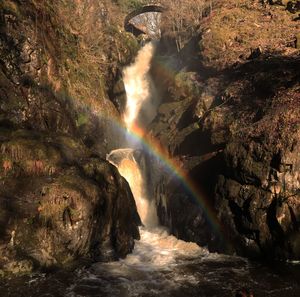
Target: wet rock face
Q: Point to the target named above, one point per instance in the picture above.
(261, 192)
(26, 98)
(236, 132)
(54, 210)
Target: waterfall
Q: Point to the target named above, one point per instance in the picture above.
(125, 161)
(156, 247)
(140, 105)
(138, 88)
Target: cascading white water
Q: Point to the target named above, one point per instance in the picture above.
(139, 91)
(137, 84)
(139, 88)
(128, 168)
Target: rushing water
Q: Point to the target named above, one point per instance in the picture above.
(160, 265)
(140, 106)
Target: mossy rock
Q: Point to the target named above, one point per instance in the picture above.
(25, 153)
(185, 85)
(85, 211)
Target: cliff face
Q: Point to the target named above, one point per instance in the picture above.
(60, 63)
(231, 115)
(59, 199)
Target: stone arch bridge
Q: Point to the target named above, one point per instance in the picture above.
(145, 20)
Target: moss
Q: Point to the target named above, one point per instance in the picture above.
(71, 144)
(10, 101)
(81, 120)
(131, 46)
(10, 7)
(25, 153)
(19, 267)
(185, 86)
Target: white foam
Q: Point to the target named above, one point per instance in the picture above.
(137, 83)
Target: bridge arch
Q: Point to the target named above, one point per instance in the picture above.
(128, 24)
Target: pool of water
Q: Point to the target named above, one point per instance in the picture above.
(162, 265)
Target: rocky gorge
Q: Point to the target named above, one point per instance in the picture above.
(227, 77)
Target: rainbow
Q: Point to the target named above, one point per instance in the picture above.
(154, 148)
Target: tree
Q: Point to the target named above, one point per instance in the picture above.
(182, 18)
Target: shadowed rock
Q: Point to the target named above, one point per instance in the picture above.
(58, 205)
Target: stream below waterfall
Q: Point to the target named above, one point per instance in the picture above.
(161, 264)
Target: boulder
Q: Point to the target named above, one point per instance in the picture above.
(59, 205)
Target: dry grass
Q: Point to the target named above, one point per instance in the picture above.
(237, 28)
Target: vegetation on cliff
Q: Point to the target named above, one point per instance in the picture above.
(78, 59)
